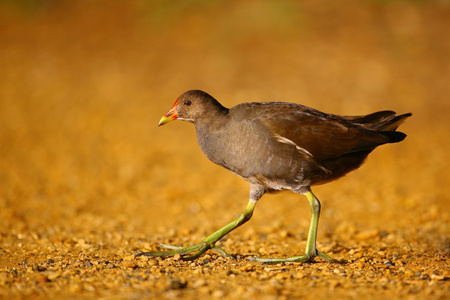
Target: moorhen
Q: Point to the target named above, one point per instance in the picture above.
(278, 146)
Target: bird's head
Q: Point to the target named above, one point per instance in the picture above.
(192, 106)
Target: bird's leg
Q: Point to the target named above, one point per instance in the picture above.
(209, 241)
(311, 250)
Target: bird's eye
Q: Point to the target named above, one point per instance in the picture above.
(187, 102)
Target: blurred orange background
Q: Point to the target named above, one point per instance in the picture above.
(84, 83)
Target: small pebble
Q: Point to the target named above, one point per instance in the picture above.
(177, 284)
(367, 234)
(247, 268)
(44, 279)
(129, 264)
(218, 294)
(198, 283)
(334, 283)
(283, 276)
(389, 263)
(177, 257)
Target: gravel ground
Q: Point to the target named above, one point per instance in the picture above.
(87, 179)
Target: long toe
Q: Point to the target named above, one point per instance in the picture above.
(300, 259)
(199, 249)
(326, 257)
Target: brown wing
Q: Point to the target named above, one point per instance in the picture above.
(324, 136)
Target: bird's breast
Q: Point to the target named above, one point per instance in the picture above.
(253, 153)
(232, 147)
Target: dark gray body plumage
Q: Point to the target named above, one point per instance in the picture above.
(277, 145)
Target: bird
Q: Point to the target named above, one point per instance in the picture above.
(277, 146)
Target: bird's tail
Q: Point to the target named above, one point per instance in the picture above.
(391, 124)
(385, 122)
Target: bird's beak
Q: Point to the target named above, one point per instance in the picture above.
(170, 116)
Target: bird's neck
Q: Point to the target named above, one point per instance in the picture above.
(213, 120)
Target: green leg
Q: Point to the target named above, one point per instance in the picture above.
(311, 250)
(208, 242)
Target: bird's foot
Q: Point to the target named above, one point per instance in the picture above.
(303, 258)
(186, 253)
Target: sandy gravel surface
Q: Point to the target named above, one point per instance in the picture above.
(87, 179)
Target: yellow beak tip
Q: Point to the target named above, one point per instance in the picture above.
(165, 119)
